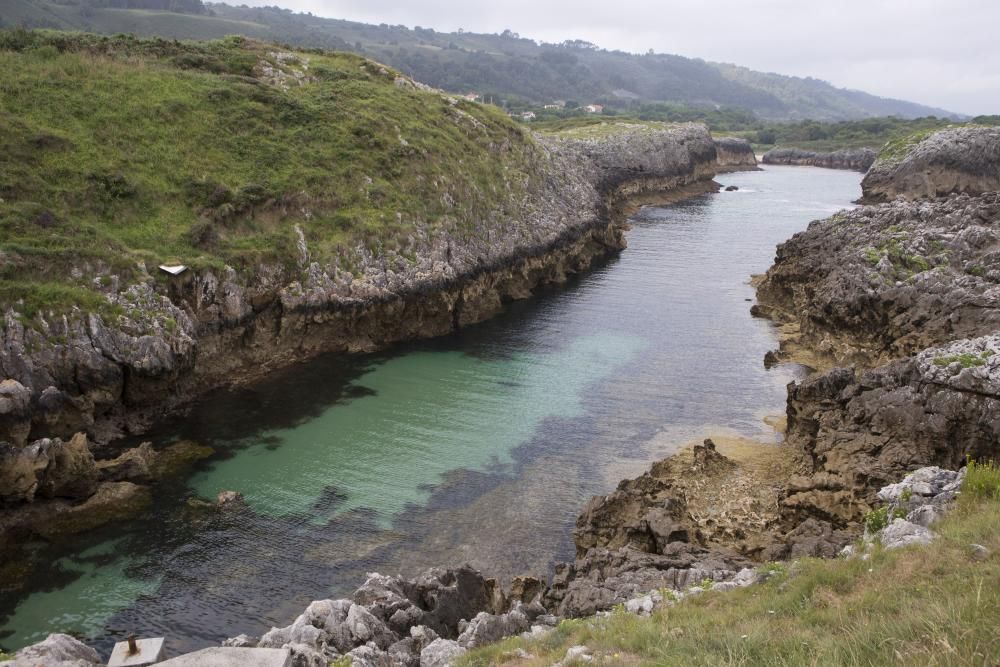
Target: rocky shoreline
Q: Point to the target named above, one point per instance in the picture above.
(435, 618)
(856, 159)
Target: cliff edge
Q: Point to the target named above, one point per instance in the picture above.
(949, 161)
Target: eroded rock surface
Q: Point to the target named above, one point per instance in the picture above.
(949, 161)
(864, 429)
(881, 282)
(734, 153)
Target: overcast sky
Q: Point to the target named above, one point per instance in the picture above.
(945, 53)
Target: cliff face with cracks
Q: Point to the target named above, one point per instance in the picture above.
(857, 159)
(82, 372)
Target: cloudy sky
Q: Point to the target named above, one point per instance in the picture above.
(945, 53)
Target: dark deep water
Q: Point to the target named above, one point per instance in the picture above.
(479, 447)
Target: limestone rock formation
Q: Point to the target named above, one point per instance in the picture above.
(862, 430)
(733, 153)
(881, 282)
(949, 161)
(857, 159)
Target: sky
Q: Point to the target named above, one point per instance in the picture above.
(944, 53)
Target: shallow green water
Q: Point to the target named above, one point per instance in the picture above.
(415, 420)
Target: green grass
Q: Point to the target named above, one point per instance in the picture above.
(597, 129)
(967, 360)
(982, 480)
(118, 150)
(933, 605)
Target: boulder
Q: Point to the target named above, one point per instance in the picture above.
(71, 472)
(57, 650)
(489, 628)
(902, 533)
(134, 465)
(441, 653)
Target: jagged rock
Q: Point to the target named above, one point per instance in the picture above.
(57, 650)
(134, 465)
(952, 160)
(242, 641)
(644, 604)
(603, 578)
(878, 283)
(526, 589)
(450, 596)
(15, 412)
(304, 655)
(864, 431)
(365, 627)
(489, 628)
(902, 533)
(20, 469)
(405, 652)
(925, 515)
(811, 537)
(440, 653)
(71, 472)
(859, 159)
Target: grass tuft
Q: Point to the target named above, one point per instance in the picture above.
(982, 480)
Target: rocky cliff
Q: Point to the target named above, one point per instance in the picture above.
(82, 371)
(953, 160)
(858, 159)
(880, 282)
(735, 154)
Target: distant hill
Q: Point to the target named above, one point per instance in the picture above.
(504, 66)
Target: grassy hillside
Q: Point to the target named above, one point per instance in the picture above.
(933, 605)
(506, 67)
(121, 151)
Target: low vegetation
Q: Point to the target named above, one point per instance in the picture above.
(117, 152)
(933, 605)
(966, 360)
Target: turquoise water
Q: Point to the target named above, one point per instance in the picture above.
(478, 447)
(385, 450)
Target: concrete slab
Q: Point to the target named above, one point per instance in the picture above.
(224, 656)
(150, 652)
